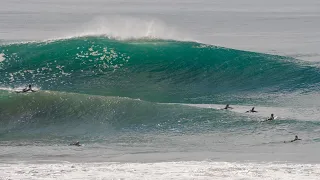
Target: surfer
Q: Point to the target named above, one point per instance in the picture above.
(295, 139)
(27, 89)
(251, 111)
(75, 144)
(228, 107)
(271, 118)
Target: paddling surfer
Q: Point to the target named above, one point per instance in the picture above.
(296, 138)
(27, 89)
(271, 118)
(252, 111)
(228, 107)
(75, 144)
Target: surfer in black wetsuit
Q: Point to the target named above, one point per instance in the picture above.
(251, 111)
(271, 118)
(228, 107)
(295, 139)
(27, 89)
(75, 144)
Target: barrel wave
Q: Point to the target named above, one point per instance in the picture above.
(153, 70)
(97, 86)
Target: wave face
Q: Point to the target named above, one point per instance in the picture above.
(97, 87)
(50, 114)
(153, 70)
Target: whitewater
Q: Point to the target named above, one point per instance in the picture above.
(142, 86)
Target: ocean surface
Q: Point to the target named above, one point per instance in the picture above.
(142, 86)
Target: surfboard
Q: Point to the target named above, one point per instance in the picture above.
(25, 92)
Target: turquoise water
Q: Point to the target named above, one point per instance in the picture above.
(141, 85)
(92, 88)
(152, 70)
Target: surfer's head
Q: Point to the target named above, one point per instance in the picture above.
(30, 86)
(271, 115)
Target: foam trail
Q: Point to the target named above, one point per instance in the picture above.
(6, 89)
(162, 170)
(18, 88)
(2, 58)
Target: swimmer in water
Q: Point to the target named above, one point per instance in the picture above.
(228, 107)
(251, 111)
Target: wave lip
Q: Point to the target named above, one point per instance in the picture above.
(127, 28)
